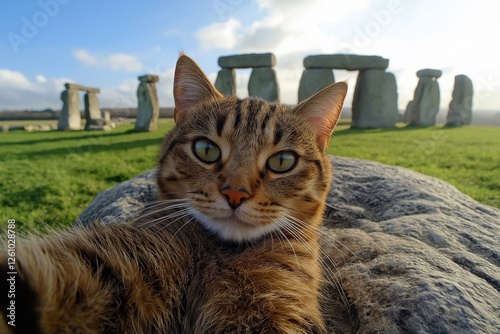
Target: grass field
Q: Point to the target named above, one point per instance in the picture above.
(50, 177)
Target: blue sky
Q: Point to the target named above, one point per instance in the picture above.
(107, 44)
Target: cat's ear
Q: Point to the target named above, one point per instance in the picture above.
(191, 86)
(322, 111)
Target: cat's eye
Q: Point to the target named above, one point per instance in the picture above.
(282, 162)
(206, 150)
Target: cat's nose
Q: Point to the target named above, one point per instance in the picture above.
(235, 197)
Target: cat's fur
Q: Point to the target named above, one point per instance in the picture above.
(231, 246)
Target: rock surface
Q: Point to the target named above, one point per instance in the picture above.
(346, 62)
(264, 84)
(375, 100)
(460, 111)
(148, 109)
(429, 73)
(424, 107)
(247, 60)
(226, 82)
(313, 80)
(409, 253)
(93, 114)
(70, 118)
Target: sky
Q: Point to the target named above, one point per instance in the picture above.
(108, 44)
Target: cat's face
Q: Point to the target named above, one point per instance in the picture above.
(246, 167)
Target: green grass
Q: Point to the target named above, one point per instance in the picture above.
(50, 177)
(466, 157)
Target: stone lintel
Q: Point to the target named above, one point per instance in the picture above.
(149, 78)
(73, 86)
(429, 73)
(346, 62)
(249, 60)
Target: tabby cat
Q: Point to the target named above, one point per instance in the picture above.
(231, 245)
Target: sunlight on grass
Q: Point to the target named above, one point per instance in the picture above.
(50, 177)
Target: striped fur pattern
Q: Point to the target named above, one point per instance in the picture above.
(231, 245)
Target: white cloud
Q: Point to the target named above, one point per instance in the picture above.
(85, 57)
(13, 78)
(413, 35)
(124, 95)
(290, 29)
(222, 36)
(18, 92)
(40, 78)
(116, 61)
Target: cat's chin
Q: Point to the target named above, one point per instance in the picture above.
(236, 230)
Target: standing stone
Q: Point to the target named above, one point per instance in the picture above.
(263, 84)
(313, 80)
(375, 98)
(424, 107)
(93, 114)
(70, 118)
(460, 111)
(226, 82)
(148, 108)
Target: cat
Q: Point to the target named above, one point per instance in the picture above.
(231, 245)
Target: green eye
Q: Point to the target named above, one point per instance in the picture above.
(206, 150)
(282, 162)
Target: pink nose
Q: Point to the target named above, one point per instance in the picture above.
(235, 197)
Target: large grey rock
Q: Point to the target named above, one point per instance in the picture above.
(313, 80)
(429, 73)
(70, 118)
(93, 115)
(226, 82)
(148, 109)
(346, 62)
(424, 107)
(460, 111)
(263, 84)
(409, 253)
(248, 60)
(375, 100)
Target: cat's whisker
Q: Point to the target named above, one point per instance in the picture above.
(180, 228)
(322, 232)
(164, 202)
(161, 207)
(331, 206)
(279, 237)
(281, 222)
(143, 209)
(334, 277)
(299, 222)
(176, 214)
(172, 222)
